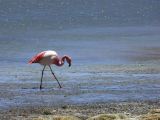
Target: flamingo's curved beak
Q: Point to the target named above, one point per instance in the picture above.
(69, 64)
(69, 61)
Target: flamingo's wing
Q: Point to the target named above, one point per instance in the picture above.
(37, 58)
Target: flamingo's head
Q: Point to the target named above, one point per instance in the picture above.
(69, 60)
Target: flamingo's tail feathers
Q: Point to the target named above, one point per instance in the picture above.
(33, 60)
(30, 62)
(36, 58)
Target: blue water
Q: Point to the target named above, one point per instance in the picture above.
(107, 66)
(114, 45)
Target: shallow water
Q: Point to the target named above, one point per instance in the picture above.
(107, 66)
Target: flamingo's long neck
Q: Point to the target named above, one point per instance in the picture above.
(61, 60)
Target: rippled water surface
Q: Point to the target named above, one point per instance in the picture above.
(109, 64)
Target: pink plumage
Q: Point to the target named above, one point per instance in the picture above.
(47, 58)
(37, 58)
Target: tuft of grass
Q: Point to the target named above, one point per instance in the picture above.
(64, 107)
(153, 111)
(47, 112)
(152, 115)
(108, 117)
(50, 117)
(65, 118)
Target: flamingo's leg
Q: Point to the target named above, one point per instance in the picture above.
(55, 76)
(42, 77)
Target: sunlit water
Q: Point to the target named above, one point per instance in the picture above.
(107, 66)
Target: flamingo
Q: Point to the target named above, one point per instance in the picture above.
(47, 58)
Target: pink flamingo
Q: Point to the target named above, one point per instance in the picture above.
(46, 58)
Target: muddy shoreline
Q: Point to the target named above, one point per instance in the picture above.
(126, 89)
(82, 111)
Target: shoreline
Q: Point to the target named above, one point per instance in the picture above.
(83, 111)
